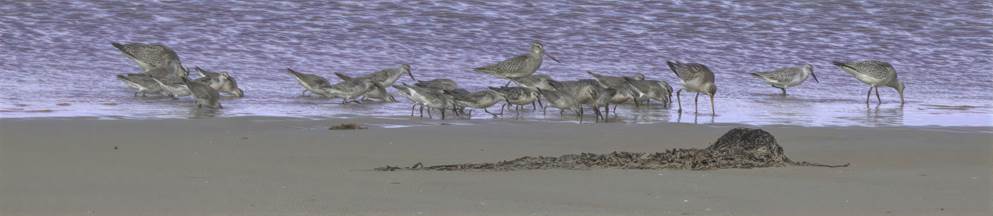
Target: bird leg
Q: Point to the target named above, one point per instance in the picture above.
(712, 110)
(695, 107)
(487, 111)
(877, 96)
(784, 90)
(422, 111)
(867, 96)
(679, 101)
(412, 110)
(304, 93)
(429, 113)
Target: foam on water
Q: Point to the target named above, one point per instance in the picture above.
(59, 52)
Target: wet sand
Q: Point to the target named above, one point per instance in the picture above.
(282, 166)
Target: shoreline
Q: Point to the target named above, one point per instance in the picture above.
(279, 165)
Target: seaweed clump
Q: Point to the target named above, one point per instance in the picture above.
(741, 148)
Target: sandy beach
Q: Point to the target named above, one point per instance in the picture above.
(285, 166)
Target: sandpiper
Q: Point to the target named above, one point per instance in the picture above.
(562, 101)
(310, 82)
(519, 96)
(536, 81)
(203, 93)
(151, 56)
(144, 83)
(440, 84)
(875, 73)
(783, 78)
(220, 81)
(432, 98)
(624, 92)
(378, 93)
(519, 66)
(175, 90)
(696, 78)
(386, 77)
(479, 100)
(651, 90)
(350, 90)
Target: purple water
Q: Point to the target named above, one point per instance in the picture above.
(56, 59)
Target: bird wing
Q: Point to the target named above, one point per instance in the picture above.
(871, 70)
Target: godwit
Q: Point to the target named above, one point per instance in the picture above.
(151, 56)
(876, 74)
(696, 78)
(519, 66)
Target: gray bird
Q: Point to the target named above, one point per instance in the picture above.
(875, 73)
(310, 82)
(696, 78)
(519, 66)
(479, 100)
(144, 83)
(351, 90)
(440, 84)
(432, 98)
(535, 81)
(220, 81)
(205, 95)
(151, 56)
(385, 77)
(519, 96)
(174, 90)
(783, 78)
(651, 90)
(379, 93)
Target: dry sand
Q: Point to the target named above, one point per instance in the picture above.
(278, 166)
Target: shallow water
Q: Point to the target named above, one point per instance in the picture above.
(56, 59)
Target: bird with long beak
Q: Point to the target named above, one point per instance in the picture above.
(519, 66)
(696, 78)
(875, 73)
(787, 77)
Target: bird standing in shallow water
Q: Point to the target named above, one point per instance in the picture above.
(696, 78)
(519, 66)
(875, 73)
(787, 77)
(310, 82)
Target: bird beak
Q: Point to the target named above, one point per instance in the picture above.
(815, 77)
(411, 74)
(553, 58)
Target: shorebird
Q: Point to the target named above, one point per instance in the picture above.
(440, 84)
(584, 91)
(151, 56)
(875, 73)
(432, 98)
(385, 77)
(144, 83)
(310, 82)
(479, 100)
(220, 81)
(203, 93)
(696, 78)
(624, 92)
(517, 96)
(651, 90)
(377, 93)
(563, 102)
(787, 77)
(519, 66)
(175, 90)
(350, 90)
(536, 81)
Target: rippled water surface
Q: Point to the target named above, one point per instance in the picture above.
(56, 58)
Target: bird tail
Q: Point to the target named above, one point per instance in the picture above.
(756, 75)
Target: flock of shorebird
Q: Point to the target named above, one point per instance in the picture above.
(164, 75)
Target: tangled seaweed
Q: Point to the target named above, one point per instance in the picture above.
(738, 148)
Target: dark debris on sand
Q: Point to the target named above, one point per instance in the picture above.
(347, 126)
(738, 148)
